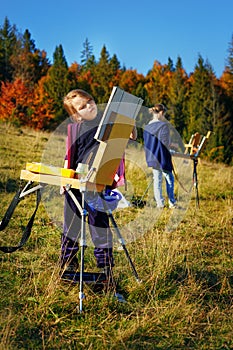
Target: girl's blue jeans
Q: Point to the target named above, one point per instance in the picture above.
(158, 182)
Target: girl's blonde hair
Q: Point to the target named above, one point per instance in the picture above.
(68, 100)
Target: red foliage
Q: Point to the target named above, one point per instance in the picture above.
(21, 105)
(14, 100)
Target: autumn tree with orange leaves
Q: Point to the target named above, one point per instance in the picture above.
(32, 89)
(16, 99)
(20, 105)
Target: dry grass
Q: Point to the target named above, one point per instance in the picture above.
(185, 300)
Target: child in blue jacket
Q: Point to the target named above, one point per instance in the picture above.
(157, 144)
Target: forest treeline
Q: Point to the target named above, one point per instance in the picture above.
(32, 88)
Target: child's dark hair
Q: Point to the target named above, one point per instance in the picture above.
(159, 107)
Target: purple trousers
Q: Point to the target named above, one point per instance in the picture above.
(100, 231)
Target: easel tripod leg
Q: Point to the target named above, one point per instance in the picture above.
(83, 213)
(82, 245)
(195, 180)
(121, 240)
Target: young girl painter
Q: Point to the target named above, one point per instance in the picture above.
(82, 109)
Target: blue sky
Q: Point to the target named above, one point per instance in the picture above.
(137, 32)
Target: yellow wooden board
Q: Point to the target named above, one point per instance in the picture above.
(111, 149)
(50, 170)
(59, 181)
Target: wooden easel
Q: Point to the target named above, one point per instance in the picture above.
(192, 151)
(195, 146)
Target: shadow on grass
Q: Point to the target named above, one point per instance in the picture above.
(202, 284)
(209, 289)
(9, 186)
(212, 286)
(138, 202)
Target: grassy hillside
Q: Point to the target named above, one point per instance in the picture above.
(185, 300)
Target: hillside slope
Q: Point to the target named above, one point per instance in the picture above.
(185, 299)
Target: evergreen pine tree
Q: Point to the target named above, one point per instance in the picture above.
(202, 98)
(229, 69)
(170, 65)
(102, 77)
(29, 63)
(177, 95)
(57, 84)
(8, 44)
(114, 64)
(225, 118)
(87, 57)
